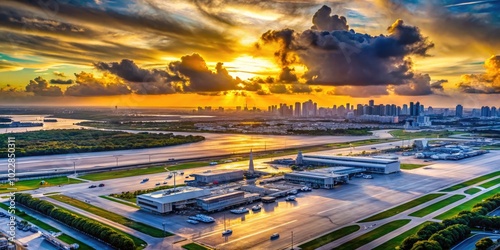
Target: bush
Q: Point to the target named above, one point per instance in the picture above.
(484, 243)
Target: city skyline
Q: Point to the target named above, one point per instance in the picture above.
(226, 53)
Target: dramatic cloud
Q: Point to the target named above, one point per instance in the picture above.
(193, 69)
(59, 74)
(141, 81)
(8, 66)
(61, 81)
(337, 57)
(486, 83)
(438, 85)
(40, 87)
(278, 89)
(359, 91)
(287, 75)
(418, 85)
(88, 85)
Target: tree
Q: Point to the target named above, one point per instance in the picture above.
(427, 245)
(484, 243)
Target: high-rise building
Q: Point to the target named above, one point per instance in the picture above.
(417, 109)
(485, 111)
(371, 103)
(348, 106)
(412, 109)
(297, 109)
(494, 112)
(459, 111)
(404, 110)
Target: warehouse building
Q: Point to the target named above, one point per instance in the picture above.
(166, 201)
(369, 164)
(217, 176)
(323, 178)
(224, 201)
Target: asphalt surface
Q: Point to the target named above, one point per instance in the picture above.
(470, 243)
(313, 213)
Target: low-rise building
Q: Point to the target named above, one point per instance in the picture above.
(224, 201)
(166, 201)
(218, 176)
(369, 164)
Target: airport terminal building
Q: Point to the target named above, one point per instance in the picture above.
(369, 164)
(217, 176)
(166, 201)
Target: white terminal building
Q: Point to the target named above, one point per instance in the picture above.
(165, 201)
(368, 164)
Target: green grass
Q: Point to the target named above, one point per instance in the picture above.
(141, 244)
(401, 134)
(141, 227)
(119, 201)
(471, 182)
(466, 205)
(325, 239)
(436, 206)
(403, 207)
(35, 184)
(70, 240)
(472, 191)
(140, 171)
(490, 183)
(52, 193)
(396, 241)
(194, 246)
(32, 220)
(409, 166)
(372, 235)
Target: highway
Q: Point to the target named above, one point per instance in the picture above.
(470, 243)
(311, 215)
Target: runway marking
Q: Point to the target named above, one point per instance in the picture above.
(250, 235)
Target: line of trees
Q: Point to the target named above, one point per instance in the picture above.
(451, 231)
(65, 141)
(105, 233)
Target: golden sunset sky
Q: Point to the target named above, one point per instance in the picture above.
(227, 53)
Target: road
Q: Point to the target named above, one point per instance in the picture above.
(470, 243)
(311, 215)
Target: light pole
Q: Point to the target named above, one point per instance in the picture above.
(292, 240)
(164, 232)
(149, 158)
(116, 156)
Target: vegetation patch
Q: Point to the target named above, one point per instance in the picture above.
(372, 235)
(394, 242)
(132, 195)
(35, 184)
(96, 229)
(32, 220)
(130, 204)
(67, 141)
(401, 134)
(472, 191)
(409, 166)
(403, 207)
(70, 240)
(327, 238)
(490, 183)
(438, 205)
(195, 246)
(466, 205)
(141, 227)
(140, 171)
(471, 182)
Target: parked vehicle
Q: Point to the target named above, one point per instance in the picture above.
(101, 185)
(92, 186)
(275, 236)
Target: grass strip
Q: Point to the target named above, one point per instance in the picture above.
(396, 241)
(490, 183)
(327, 238)
(466, 205)
(32, 220)
(401, 134)
(141, 244)
(195, 246)
(139, 226)
(70, 240)
(140, 171)
(436, 206)
(409, 166)
(35, 184)
(372, 235)
(403, 207)
(471, 182)
(119, 201)
(472, 191)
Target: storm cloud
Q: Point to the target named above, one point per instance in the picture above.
(40, 87)
(88, 85)
(486, 83)
(61, 81)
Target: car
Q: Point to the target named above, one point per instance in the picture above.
(213, 163)
(227, 232)
(181, 173)
(171, 159)
(92, 186)
(144, 180)
(275, 236)
(158, 184)
(374, 148)
(101, 185)
(165, 182)
(192, 221)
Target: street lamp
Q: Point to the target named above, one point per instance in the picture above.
(116, 156)
(292, 241)
(164, 232)
(74, 166)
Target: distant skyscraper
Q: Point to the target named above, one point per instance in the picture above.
(371, 102)
(412, 109)
(485, 111)
(348, 106)
(297, 109)
(404, 111)
(417, 108)
(459, 111)
(494, 112)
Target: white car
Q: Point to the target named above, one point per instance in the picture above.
(192, 221)
(226, 232)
